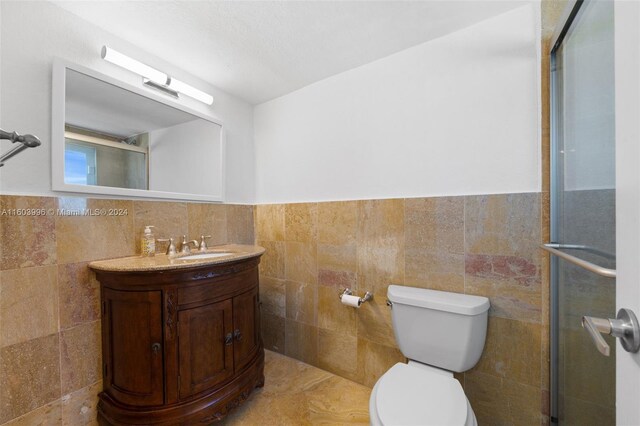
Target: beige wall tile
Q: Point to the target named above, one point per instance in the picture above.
(272, 262)
(437, 271)
(374, 360)
(338, 279)
(374, 321)
(47, 415)
(272, 296)
(545, 286)
(380, 240)
(270, 222)
(512, 351)
(503, 259)
(79, 295)
(337, 222)
(27, 240)
(301, 222)
(84, 238)
(28, 304)
(545, 357)
(337, 258)
(504, 224)
(80, 356)
(434, 243)
(301, 302)
(301, 342)
(497, 401)
(169, 218)
(301, 262)
(273, 332)
(333, 315)
(29, 376)
(509, 299)
(545, 216)
(81, 406)
(435, 225)
(240, 225)
(207, 219)
(337, 266)
(338, 353)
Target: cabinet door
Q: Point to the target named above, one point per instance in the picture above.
(205, 347)
(132, 339)
(246, 328)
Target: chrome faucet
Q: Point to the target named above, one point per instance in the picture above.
(184, 246)
(203, 244)
(171, 247)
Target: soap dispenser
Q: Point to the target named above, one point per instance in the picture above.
(148, 242)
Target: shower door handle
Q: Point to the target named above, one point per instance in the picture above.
(625, 327)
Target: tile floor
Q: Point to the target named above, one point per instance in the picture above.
(296, 393)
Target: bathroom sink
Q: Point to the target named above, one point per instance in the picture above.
(201, 256)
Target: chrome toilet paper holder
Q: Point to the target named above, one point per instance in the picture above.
(367, 296)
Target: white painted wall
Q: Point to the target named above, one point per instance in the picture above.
(456, 115)
(31, 35)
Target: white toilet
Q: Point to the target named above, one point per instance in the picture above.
(439, 332)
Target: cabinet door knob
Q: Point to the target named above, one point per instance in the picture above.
(238, 335)
(155, 348)
(228, 339)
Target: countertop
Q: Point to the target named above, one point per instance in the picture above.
(162, 262)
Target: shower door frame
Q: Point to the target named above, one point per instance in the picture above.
(627, 165)
(556, 175)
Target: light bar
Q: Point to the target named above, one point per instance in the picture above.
(190, 91)
(158, 79)
(115, 57)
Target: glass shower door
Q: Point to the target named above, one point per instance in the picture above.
(583, 214)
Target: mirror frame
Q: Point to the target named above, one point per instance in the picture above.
(60, 67)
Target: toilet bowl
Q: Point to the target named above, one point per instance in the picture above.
(408, 395)
(439, 332)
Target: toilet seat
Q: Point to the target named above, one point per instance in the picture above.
(408, 395)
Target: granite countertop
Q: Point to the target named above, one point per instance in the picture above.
(162, 262)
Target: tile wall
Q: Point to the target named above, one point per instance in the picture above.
(50, 355)
(484, 245)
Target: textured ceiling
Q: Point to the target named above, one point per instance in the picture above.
(264, 49)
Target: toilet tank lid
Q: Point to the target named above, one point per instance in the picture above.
(463, 304)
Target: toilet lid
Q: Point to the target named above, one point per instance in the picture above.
(409, 395)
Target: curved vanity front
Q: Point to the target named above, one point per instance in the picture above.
(181, 340)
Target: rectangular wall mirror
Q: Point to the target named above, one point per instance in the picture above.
(115, 139)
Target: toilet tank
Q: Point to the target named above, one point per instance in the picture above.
(438, 328)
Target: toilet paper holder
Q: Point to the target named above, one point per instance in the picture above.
(367, 296)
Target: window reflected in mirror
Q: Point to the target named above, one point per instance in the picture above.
(106, 160)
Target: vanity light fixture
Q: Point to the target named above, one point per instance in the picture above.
(154, 78)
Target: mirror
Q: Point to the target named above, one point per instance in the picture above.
(112, 138)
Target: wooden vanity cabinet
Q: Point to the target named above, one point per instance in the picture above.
(179, 347)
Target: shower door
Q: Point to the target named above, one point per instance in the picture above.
(583, 214)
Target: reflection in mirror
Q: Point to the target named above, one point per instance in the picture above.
(117, 140)
(95, 159)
